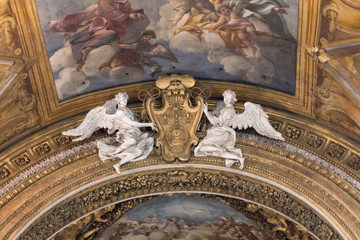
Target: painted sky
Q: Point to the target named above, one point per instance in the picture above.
(273, 66)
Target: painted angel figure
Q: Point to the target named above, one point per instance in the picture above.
(115, 116)
(140, 54)
(220, 138)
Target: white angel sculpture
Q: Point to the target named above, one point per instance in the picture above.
(220, 138)
(115, 116)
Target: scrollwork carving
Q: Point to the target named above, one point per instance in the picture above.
(177, 120)
(92, 226)
(176, 180)
(7, 27)
(19, 112)
(335, 105)
(324, 89)
(331, 13)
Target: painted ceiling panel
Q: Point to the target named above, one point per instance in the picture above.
(95, 45)
(294, 47)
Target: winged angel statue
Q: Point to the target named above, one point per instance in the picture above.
(220, 138)
(115, 116)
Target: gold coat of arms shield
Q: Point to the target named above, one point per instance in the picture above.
(177, 119)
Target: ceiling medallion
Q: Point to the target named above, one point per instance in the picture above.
(176, 120)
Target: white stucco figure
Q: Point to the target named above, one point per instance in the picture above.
(115, 116)
(220, 138)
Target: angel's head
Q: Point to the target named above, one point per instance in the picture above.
(147, 35)
(229, 97)
(121, 99)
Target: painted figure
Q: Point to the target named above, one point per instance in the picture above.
(233, 20)
(242, 27)
(221, 137)
(272, 11)
(140, 54)
(194, 8)
(98, 25)
(115, 116)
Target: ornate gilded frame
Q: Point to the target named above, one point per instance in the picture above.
(51, 110)
(313, 165)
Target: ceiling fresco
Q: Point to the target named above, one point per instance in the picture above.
(95, 45)
(300, 60)
(185, 218)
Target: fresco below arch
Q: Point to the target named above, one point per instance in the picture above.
(98, 44)
(184, 217)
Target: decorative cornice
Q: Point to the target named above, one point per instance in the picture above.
(309, 149)
(219, 183)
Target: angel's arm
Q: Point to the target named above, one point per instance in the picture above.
(133, 123)
(212, 119)
(219, 23)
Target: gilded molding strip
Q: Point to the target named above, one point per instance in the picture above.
(57, 183)
(42, 165)
(306, 154)
(174, 180)
(316, 198)
(187, 165)
(294, 149)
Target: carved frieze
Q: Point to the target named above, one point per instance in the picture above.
(354, 162)
(336, 151)
(22, 160)
(92, 226)
(62, 140)
(174, 180)
(315, 141)
(293, 132)
(42, 148)
(4, 172)
(335, 104)
(19, 110)
(276, 124)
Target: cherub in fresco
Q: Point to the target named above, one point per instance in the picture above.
(243, 28)
(98, 25)
(193, 7)
(140, 54)
(238, 19)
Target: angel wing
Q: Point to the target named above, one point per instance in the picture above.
(254, 116)
(97, 118)
(159, 50)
